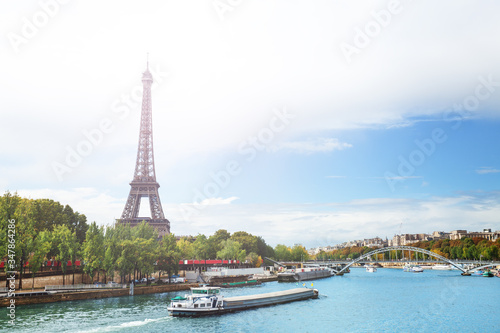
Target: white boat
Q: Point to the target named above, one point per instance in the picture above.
(208, 301)
(442, 267)
(370, 269)
(417, 269)
(412, 268)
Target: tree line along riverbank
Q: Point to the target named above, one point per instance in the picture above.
(37, 232)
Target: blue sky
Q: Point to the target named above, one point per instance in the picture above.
(338, 121)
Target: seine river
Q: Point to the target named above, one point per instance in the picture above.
(389, 300)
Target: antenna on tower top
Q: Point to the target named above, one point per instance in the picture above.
(147, 61)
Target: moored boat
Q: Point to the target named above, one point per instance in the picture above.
(412, 268)
(488, 273)
(442, 267)
(303, 272)
(239, 284)
(208, 301)
(370, 269)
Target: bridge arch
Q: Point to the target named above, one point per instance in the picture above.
(402, 248)
(481, 267)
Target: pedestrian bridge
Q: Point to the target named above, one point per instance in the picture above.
(456, 264)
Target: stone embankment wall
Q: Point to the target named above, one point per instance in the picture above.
(95, 294)
(57, 280)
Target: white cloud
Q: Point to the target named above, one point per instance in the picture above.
(310, 146)
(218, 201)
(399, 177)
(486, 170)
(213, 102)
(309, 224)
(328, 224)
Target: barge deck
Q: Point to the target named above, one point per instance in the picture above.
(208, 301)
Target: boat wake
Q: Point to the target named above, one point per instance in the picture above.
(126, 325)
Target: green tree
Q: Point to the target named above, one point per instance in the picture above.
(201, 247)
(145, 231)
(64, 238)
(8, 205)
(282, 253)
(93, 250)
(25, 233)
(467, 242)
(254, 259)
(41, 246)
(299, 253)
(231, 250)
(77, 223)
(168, 255)
(146, 255)
(247, 241)
(494, 252)
(74, 252)
(186, 248)
(113, 249)
(126, 260)
(215, 242)
(50, 213)
(145, 239)
(263, 248)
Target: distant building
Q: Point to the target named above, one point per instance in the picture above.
(457, 234)
(486, 234)
(407, 239)
(375, 242)
(440, 235)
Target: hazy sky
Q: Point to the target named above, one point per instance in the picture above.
(312, 122)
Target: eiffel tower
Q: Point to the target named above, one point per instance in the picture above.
(144, 183)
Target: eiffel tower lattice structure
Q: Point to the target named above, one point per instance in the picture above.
(144, 183)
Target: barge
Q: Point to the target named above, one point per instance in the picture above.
(233, 281)
(303, 272)
(239, 284)
(208, 301)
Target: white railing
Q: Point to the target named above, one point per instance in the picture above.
(84, 286)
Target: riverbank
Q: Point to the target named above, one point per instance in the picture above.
(92, 294)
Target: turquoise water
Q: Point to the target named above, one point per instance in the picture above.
(389, 300)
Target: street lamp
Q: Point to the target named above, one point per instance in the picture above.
(480, 257)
